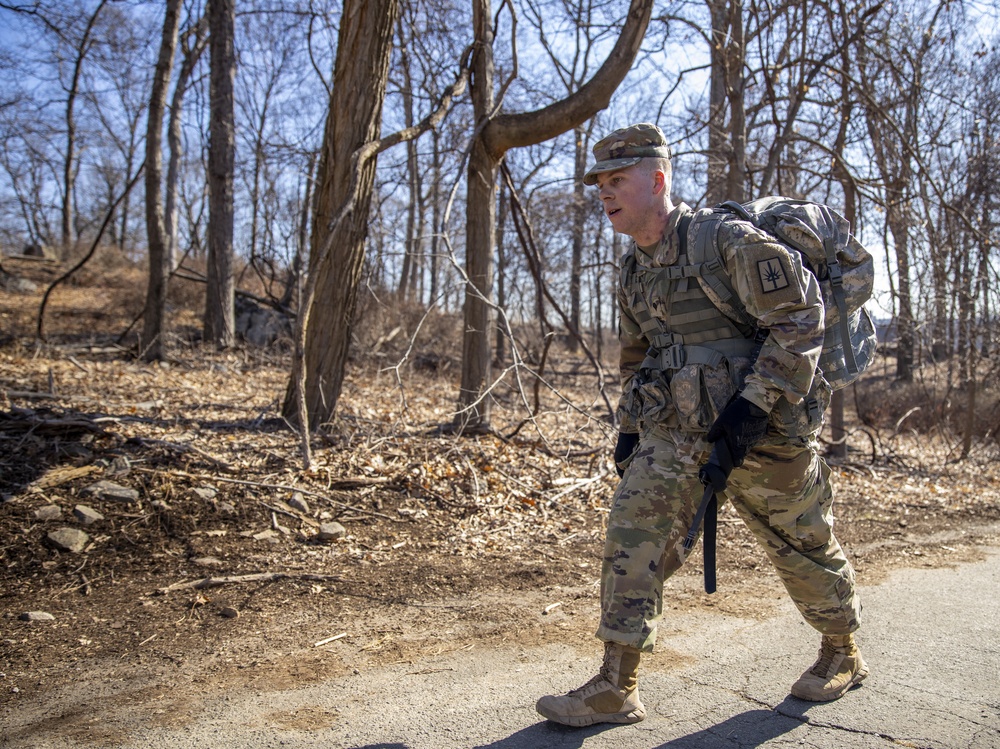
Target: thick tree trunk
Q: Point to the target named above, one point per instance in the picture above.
(219, 319)
(337, 248)
(474, 414)
(154, 316)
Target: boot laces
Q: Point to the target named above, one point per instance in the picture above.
(827, 653)
(602, 675)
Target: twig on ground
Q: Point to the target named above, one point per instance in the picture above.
(257, 577)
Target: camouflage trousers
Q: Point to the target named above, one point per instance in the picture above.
(783, 494)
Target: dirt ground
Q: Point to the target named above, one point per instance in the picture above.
(214, 575)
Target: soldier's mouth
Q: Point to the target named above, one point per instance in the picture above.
(613, 211)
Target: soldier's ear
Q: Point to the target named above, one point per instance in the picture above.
(659, 181)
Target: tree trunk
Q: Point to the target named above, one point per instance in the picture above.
(219, 319)
(501, 347)
(905, 323)
(843, 175)
(717, 152)
(497, 135)
(154, 316)
(581, 154)
(69, 166)
(735, 56)
(175, 146)
(337, 248)
(474, 414)
(436, 228)
(405, 289)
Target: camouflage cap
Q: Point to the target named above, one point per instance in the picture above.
(625, 147)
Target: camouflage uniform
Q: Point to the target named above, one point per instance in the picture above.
(782, 492)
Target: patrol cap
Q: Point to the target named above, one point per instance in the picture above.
(625, 147)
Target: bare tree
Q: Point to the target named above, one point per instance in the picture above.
(572, 74)
(82, 47)
(339, 226)
(351, 143)
(116, 90)
(892, 77)
(193, 44)
(726, 176)
(154, 316)
(219, 319)
(495, 135)
(79, 43)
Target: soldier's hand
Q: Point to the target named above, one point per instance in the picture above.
(627, 443)
(740, 426)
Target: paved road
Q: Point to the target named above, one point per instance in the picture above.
(930, 640)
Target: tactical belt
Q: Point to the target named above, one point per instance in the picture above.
(669, 352)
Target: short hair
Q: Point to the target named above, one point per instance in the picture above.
(662, 164)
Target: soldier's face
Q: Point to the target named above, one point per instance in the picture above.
(630, 199)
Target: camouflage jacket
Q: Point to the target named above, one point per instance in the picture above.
(777, 292)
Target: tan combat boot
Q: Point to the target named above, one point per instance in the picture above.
(840, 667)
(610, 697)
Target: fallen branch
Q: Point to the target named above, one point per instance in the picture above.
(257, 577)
(577, 485)
(34, 395)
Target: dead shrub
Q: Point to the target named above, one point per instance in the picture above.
(386, 330)
(934, 400)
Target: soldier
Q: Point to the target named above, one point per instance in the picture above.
(689, 379)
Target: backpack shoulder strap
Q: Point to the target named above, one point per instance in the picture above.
(712, 274)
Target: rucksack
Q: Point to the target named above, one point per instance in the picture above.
(844, 268)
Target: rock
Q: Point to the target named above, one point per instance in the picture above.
(299, 503)
(87, 515)
(48, 512)
(159, 505)
(208, 562)
(68, 539)
(265, 535)
(227, 509)
(39, 249)
(120, 465)
(36, 616)
(229, 612)
(78, 453)
(331, 532)
(261, 326)
(112, 491)
(17, 285)
(205, 492)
